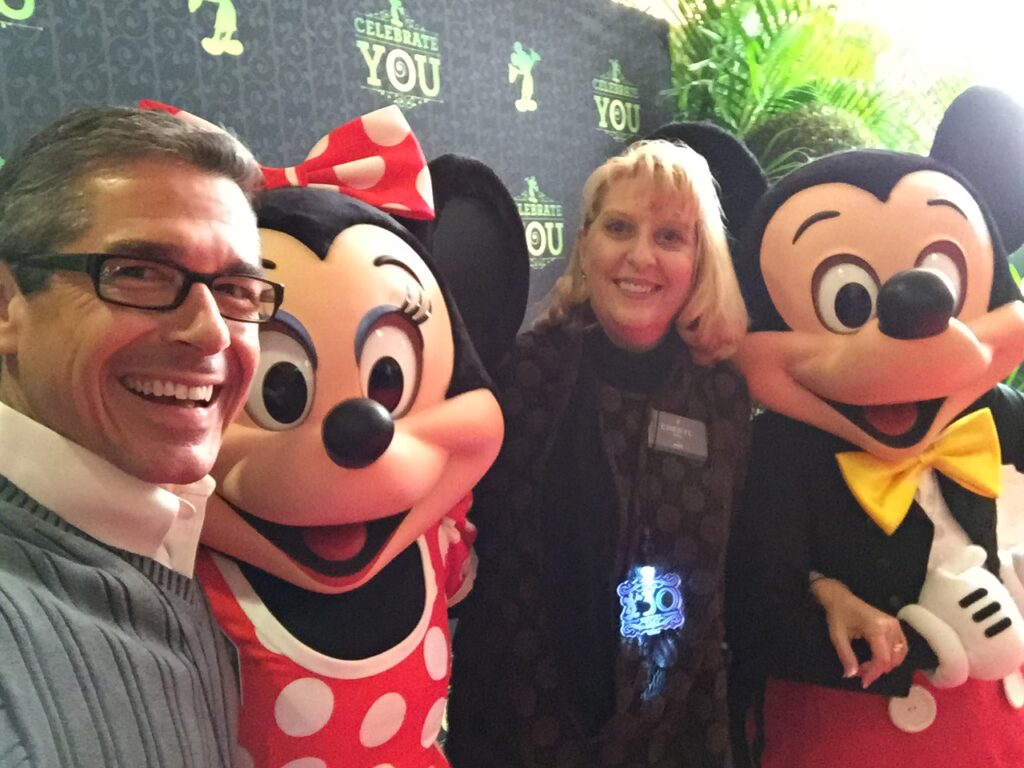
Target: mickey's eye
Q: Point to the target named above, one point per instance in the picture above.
(845, 291)
(282, 390)
(391, 363)
(947, 259)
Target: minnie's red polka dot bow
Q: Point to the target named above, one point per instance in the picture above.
(374, 158)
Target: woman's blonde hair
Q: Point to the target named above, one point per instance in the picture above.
(713, 319)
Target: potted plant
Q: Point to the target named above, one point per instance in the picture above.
(792, 80)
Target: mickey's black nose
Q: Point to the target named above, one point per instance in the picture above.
(357, 432)
(915, 304)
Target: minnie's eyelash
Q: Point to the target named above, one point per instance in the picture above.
(415, 305)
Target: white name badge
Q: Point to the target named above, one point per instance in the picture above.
(677, 434)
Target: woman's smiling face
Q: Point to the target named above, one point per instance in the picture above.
(638, 255)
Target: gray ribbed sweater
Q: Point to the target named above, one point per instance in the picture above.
(106, 658)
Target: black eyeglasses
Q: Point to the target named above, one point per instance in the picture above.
(131, 281)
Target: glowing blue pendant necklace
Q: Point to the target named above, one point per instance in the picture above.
(651, 603)
(652, 615)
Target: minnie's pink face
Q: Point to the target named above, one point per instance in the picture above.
(311, 496)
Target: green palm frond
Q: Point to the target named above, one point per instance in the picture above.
(744, 63)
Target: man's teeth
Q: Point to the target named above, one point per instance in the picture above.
(156, 388)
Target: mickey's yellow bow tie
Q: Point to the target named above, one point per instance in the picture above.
(967, 451)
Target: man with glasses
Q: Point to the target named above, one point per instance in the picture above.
(130, 292)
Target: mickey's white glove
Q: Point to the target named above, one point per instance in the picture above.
(969, 620)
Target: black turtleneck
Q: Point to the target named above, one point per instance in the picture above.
(581, 526)
(638, 372)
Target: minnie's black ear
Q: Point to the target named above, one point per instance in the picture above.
(982, 136)
(741, 181)
(477, 242)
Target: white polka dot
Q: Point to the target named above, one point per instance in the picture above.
(386, 127)
(386, 765)
(395, 206)
(304, 706)
(432, 723)
(319, 148)
(305, 762)
(435, 653)
(267, 643)
(362, 173)
(242, 758)
(425, 187)
(383, 720)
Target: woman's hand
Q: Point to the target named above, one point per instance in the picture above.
(850, 618)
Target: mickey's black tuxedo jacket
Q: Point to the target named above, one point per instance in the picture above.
(798, 516)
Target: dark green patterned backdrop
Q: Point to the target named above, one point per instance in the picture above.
(541, 90)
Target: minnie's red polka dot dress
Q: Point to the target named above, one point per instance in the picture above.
(301, 709)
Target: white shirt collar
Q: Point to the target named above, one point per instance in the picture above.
(100, 499)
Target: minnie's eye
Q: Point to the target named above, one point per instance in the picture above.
(845, 293)
(282, 389)
(948, 260)
(391, 363)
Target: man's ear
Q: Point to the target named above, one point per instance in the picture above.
(9, 292)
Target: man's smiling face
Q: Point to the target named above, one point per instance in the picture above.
(91, 370)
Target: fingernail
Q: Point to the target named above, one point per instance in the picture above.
(849, 673)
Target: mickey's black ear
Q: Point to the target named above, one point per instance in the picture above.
(477, 243)
(740, 179)
(982, 136)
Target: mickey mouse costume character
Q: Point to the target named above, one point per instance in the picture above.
(338, 532)
(883, 318)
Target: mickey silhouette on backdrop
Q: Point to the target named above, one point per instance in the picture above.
(883, 318)
(339, 520)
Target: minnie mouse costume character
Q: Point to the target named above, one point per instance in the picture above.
(338, 535)
(884, 316)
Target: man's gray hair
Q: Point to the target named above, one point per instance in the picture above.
(43, 200)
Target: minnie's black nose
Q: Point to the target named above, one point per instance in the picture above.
(357, 432)
(915, 304)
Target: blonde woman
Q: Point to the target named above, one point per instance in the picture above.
(594, 634)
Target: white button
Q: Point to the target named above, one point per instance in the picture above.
(1013, 688)
(914, 712)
